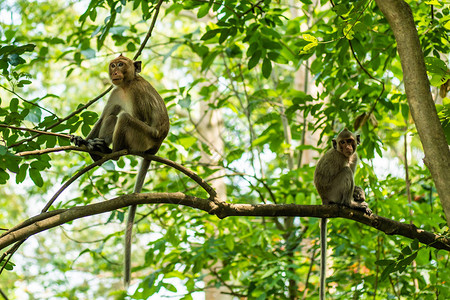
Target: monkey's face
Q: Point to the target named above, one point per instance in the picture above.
(119, 71)
(347, 146)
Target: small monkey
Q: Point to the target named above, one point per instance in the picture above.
(334, 180)
(135, 118)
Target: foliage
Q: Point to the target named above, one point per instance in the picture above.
(243, 60)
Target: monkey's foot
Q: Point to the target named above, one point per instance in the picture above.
(78, 140)
(98, 145)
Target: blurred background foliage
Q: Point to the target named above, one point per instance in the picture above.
(255, 92)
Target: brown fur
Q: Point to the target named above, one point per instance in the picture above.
(334, 180)
(134, 118)
(334, 174)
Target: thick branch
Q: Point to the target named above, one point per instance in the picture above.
(49, 220)
(423, 110)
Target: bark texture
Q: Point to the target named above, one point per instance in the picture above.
(47, 220)
(423, 110)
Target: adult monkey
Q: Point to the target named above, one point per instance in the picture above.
(334, 180)
(135, 118)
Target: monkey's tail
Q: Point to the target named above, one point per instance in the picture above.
(130, 222)
(323, 256)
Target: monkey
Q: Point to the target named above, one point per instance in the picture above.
(334, 181)
(134, 118)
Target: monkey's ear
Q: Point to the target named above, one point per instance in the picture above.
(358, 139)
(334, 143)
(138, 66)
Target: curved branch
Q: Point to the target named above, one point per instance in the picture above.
(200, 181)
(209, 189)
(114, 155)
(49, 220)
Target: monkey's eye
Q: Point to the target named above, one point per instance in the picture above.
(113, 65)
(120, 64)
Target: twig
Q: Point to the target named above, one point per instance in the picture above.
(50, 150)
(113, 155)
(3, 295)
(28, 101)
(149, 33)
(64, 119)
(35, 131)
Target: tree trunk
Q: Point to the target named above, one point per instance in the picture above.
(423, 110)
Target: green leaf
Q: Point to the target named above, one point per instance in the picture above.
(415, 244)
(234, 155)
(4, 176)
(210, 34)
(170, 287)
(253, 61)
(203, 11)
(266, 67)
(14, 105)
(209, 59)
(36, 177)
(388, 270)
(224, 35)
(20, 176)
(3, 150)
(229, 241)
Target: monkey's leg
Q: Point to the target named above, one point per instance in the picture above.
(134, 135)
(107, 130)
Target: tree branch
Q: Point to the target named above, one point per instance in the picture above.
(36, 131)
(52, 219)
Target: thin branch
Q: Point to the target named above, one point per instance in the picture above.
(28, 101)
(49, 150)
(149, 33)
(64, 119)
(200, 181)
(251, 9)
(114, 155)
(48, 220)
(3, 295)
(35, 131)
